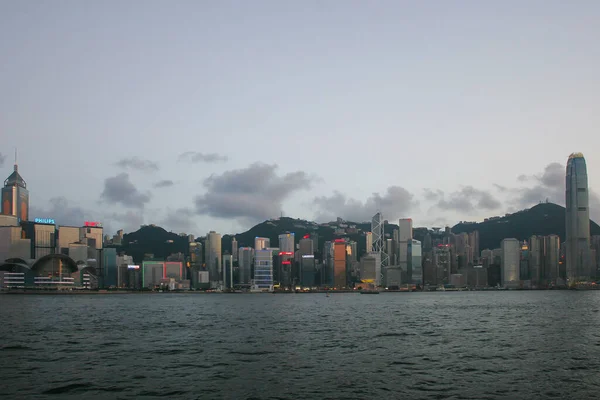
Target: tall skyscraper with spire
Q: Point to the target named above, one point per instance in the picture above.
(578, 255)
(15, 196)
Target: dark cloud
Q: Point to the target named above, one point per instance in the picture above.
(396, 202)
(119, 190)
(138, 164)
(250, 194)
(468, 199)
(180, 220)
(164, 183)
(2, 159)
(62, 212)
(196, 157)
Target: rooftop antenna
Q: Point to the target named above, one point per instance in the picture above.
(16, 159)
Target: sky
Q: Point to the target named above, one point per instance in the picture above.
(217, 115)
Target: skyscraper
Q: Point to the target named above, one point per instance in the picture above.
(287, 242)
(306, 246)
(234, 249)
(405, 237)
(339, 263)
(577, 226)
(212, 256)
(369, 241)
(511, 260)
(263, 270)
(15, 196)
(261, 243)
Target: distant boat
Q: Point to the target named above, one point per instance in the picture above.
(327, 294)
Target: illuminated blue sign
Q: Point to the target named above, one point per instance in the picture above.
(44, 221)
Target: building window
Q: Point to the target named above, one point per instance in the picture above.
(581, 189)
(581, 209)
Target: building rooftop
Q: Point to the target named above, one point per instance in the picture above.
(576, 155)
(15, 179)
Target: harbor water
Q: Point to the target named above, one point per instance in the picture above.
(452, 345)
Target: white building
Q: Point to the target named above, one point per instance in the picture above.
(263, 270)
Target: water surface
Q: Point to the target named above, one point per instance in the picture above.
(452, 345)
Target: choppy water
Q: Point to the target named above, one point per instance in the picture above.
(459, 345)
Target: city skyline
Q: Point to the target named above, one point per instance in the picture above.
(547, 183)
(189, 113)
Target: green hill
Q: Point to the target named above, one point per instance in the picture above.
(542, 219)
(151, 239)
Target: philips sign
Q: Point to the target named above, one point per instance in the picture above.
(48, 221)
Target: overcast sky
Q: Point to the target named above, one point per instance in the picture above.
(215, 115)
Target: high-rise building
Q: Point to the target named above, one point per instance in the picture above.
(306, 247)
(307, 270)
(261, 243)
(339, 263)
(15, 196)
(441, 265)
(377, 230)
(551, 264)
(370, 269)
(390, 250)
(234, 249)
(228, 271)
(212, 257)
(263, 270)
(595, 244)
(351, 250)
(578, 260)
(474, 244)
(405, 236)
(510, 262)
(416, 263)
(524, 258)
(369, 241)
(327, 269)
(245, 258)
(287, 242)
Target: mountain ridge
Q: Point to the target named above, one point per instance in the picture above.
(541, 219)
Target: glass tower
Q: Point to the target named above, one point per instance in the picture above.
(577, 226)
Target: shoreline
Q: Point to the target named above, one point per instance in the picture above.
(199, 292)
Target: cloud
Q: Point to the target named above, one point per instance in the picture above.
(432, 195)
(2, 159)
(466, 200)
(62, 212)
(164, 183)
(129, 221)
(119, 190)
(249, 194)
(180, 220)
(138, 164)
(548, 185)
(396, 202)
(196, 157)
